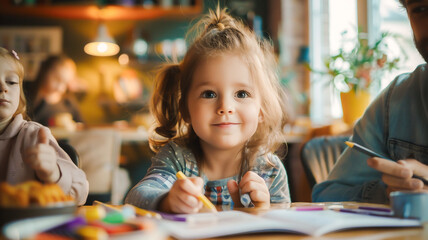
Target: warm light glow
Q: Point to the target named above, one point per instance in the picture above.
(101, 49)
(103, 45)
(123, 59)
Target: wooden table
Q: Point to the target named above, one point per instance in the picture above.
(353, 234)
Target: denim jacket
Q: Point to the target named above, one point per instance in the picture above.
(394, 125)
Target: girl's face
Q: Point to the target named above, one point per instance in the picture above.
(223, 103)
(59, 79)
(9, 89)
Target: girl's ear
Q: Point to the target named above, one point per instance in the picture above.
(261, 117)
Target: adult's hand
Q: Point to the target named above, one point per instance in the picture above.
(398, 175)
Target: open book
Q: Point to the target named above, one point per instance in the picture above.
(314, 223)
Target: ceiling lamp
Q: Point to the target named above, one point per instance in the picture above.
(103, 45)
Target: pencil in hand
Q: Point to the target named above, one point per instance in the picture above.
(364, 150)
(202, 198)
(371, 153)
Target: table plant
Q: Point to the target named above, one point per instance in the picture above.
(358, 68)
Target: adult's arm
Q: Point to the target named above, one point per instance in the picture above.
(352, 179)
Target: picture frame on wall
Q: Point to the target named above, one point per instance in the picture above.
(33, 45)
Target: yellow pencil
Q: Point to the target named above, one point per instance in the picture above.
(201, 197)
(107, 206)
(144, 212)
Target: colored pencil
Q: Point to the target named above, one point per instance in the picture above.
(144, 212)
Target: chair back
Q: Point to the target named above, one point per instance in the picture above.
(319, 155)
(71, 152)
(99, 151)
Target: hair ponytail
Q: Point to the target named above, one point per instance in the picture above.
(164, 104)
(218, 20)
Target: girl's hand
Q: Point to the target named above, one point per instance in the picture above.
(254, 185)
(42, 158)
(398, 175)
(182, 197)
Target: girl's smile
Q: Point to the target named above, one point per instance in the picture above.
(225, 124)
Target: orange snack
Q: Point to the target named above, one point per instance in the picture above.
(10, 196)
(31, 192)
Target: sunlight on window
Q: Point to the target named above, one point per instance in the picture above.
(342, 18)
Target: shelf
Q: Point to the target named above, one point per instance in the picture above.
(93, 12)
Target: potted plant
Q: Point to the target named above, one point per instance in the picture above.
(357, 70)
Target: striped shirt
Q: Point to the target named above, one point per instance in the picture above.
(173, 158)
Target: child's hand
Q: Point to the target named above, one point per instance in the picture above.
(42, 158)
(252, 184)
(182, 197)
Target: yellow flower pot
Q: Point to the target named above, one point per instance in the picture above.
(354, 104)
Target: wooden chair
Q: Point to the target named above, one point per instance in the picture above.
(319, 155)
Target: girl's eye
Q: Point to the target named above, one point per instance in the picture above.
(208, 94)
(12, 80)
(242, 94)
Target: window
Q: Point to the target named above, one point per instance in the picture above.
(338, 16)
(329, 19)
(342, 18)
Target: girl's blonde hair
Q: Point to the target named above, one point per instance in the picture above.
(218, 34)
(13, 58)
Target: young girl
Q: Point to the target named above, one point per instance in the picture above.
(50, 98)
(221, 116)
(27, 149)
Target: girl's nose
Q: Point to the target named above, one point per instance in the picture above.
(224, 111)
(225, 108)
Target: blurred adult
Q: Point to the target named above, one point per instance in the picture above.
(396, 126)
(52, 105)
